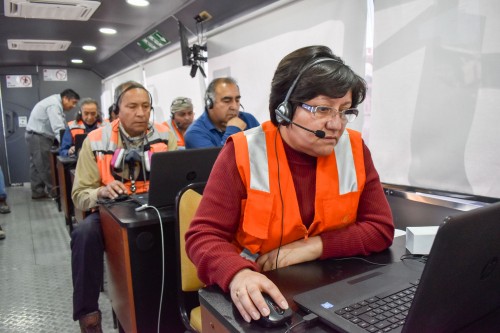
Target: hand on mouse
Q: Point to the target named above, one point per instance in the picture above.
(246, 290)
(277, 317)
(112, 190)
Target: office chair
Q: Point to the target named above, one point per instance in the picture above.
(187, 202)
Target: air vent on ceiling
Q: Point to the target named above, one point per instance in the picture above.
(77, 10)
(38, 45)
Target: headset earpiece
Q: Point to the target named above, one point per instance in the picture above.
(283, 113)
(209, 103)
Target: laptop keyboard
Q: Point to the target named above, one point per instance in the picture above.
(382, 313)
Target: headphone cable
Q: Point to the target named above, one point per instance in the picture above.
(141, 208)
(281, 195)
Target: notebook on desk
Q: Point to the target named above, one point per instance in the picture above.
(459, 284)
(173, 170)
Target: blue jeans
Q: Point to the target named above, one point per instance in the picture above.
(3, 194)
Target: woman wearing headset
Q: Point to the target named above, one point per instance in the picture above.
(297, 188)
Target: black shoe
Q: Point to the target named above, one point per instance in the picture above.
(4, 208)
(2, 233)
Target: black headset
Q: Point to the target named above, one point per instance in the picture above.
(284, 111)
(209, 103)
(116, 108)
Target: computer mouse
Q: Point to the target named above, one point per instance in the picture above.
(121, 197)
(277, 317)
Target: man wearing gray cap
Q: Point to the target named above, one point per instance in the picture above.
(181, 116)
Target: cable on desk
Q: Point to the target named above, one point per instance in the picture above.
(362, 259)
(139, 209)
(418, 257)
(307, 319)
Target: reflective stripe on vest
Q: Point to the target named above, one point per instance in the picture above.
(259, 171)
(78, 128)
(257, 152)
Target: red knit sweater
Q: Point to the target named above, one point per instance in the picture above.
(208, 240)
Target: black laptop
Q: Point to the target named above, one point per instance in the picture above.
(79, 138)
(459, 284)
(173, 170)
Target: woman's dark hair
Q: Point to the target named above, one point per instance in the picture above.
(330, 78)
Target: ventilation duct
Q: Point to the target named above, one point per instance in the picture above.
(76, 10)
(37, 45)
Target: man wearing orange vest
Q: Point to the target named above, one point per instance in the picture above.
(300, 187)
(181, 117)
(111, 162)
(87, 119)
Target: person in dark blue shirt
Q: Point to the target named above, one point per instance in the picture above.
(222, 116)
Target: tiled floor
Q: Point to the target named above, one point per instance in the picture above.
(35, 269)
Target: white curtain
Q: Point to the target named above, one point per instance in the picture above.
(436, 94)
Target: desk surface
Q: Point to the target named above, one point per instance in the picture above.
(310, 275)
(125, 214)
(296, 279)
(67, 159)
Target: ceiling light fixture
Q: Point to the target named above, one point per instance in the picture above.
(77, 61)
(138, 3)
(89, 47)
(107, 31)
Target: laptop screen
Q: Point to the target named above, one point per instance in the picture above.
(173, 170)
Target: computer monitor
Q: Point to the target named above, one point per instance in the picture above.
(185, 50)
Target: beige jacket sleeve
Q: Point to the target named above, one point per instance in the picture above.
(87, 179)
(172, 141)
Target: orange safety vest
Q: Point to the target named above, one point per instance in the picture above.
(340, 179)
(78, 128)
(178, 135)
(105, 140)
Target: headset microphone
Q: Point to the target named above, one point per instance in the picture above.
(319, 133)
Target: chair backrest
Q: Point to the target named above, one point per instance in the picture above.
(187, 202)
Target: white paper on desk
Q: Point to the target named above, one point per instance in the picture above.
(399, 232)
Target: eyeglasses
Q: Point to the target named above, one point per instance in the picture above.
(179, 101)
(321, 112)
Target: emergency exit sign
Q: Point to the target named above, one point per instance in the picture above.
(153, 42)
